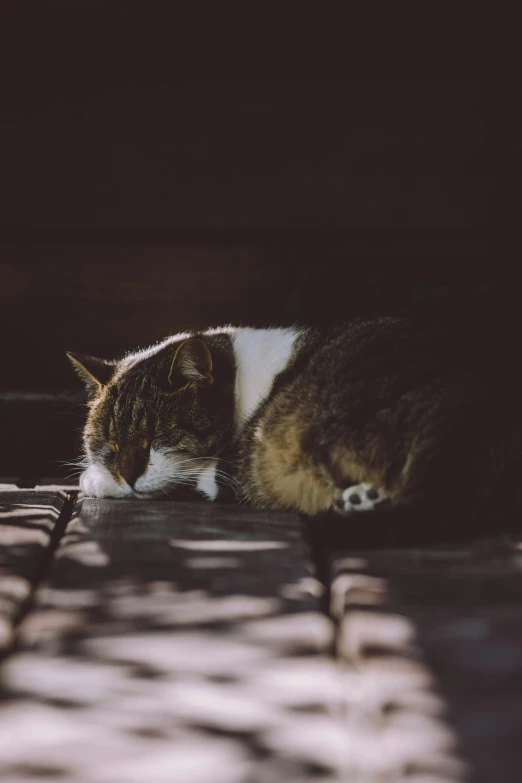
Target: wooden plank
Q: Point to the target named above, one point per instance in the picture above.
(27, 521)
(432, 639)
(175, 641)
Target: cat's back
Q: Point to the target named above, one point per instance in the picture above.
(386, 355)
(401, 402)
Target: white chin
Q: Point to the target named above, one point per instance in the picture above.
(166, 474)
(97, 482)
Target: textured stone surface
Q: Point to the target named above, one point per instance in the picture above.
(432, 640)
(27, 520)
(189, 642)
(175, 642)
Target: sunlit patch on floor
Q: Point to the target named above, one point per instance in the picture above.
(227, 546)
(391, 695)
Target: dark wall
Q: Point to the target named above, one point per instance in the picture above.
(247, 155)
(132, 210)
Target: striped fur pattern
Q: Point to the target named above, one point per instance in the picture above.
(376, 412)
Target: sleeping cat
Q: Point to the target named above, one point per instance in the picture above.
(377, 412)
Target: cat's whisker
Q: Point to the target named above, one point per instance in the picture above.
(72, 476)
(164, 491)
(221, 477)
(202, 459)
(226, 476)
(79, 463)
(176, 479)
(230, 485)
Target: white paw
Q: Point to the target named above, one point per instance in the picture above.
(97, 482)
(360, 497)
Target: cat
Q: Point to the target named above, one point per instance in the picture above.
(378, 412)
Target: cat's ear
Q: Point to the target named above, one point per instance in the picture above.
(94, 372)
(192, 362)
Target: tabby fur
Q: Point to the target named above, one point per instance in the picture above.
(394, 408)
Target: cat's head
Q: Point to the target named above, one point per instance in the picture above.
(157, 419)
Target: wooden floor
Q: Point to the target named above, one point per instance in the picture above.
(200, 643)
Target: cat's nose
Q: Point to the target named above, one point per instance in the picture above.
(133, 464)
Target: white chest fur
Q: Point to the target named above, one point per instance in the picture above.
(260, 355)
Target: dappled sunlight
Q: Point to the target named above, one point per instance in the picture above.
(315, 738)
(228, 546)
(362, 633)
(31, 509)
(299, 682)
(25, 535)
(393, 705)
(14, 587)
(290, 634)
(29, 516)
(73, 680)
(81, 749)
(355, 588)
(87, 553)
(193, 608)
(64, 598)
(173, 656)
(307, 585)
(187, 653)
(164, 645)
(6, 632)
(14, 590)
(50, 626)
(213, 562)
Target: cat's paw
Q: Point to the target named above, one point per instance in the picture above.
(359, 497)
(97, 482)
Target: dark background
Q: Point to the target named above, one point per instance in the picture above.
(140, 202)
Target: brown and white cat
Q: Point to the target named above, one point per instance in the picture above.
(379, 411)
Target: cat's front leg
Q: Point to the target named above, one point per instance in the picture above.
(97, 482)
